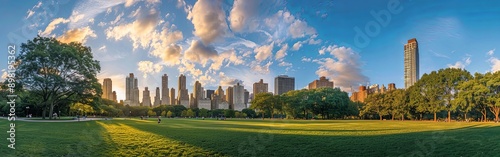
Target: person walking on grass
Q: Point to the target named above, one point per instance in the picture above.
(159, 119)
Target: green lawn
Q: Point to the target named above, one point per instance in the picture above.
(196, 137)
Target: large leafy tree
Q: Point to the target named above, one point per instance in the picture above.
(472, 94)
(376, 103)
(58, 73)
(399, 103)
(263, 102)
(449, 79)
(492, 81)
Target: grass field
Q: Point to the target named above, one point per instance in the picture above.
(196, 137)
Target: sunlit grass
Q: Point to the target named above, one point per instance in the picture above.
(196, 137)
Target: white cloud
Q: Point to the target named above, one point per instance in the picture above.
(102, 48)
(226, 56)
(314, 42)
(148, 67)
(208, 19)
(31, 11)
(77, 35)
(300, 29)
(285, 64)
(188, 67)
(282, 52)
(297, 46)
(264, 52)
(243, 15)
(141, 31)
(89, 9)
(262, 69)
(495, 62)
(344, 67)
(461, 64)
(305, 59)
(200, 53)
(53, 25)
(491, 52)
(228, 81)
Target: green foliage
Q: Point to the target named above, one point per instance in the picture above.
(170, 114)
(151, 113)
(58, 74)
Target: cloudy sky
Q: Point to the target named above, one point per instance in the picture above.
(224, 42)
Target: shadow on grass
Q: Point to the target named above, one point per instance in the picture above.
(464, 141)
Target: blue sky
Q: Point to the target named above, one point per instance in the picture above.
(224, 42)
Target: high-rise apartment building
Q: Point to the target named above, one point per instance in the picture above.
(146, 98)
(411, 63)
(260, 87)
(114, 96)
(157, 97)
(322, 82)
(172, 97)
(239, 97)
(209, 93)
(165, 98)
(229, 97)
(183, 96)
(107, 89)
(198, 93)
(131, 91)
(283, 84)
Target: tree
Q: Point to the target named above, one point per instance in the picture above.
(399, 103)
(190, 113)
(375, 104)
(58, 73)
(184, 113)
(263, 103)
(450, 78)
(229, 113)
(249, 112)
(169, 114)
(471, 94)
(427, 94)
(151, 113)
(163, 113)
(492, 81)
(203, 112)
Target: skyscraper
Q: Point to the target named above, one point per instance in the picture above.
(322, 82)
(165, 98)
(411, 63)
(229, 97)
(197, 94)
(183, 97)
(146, 98)
(107, 88)
(157, 97)
(260, 87)
(283, 84)
(238, 97)
(172, 97)
(114, 96)
(131, 91)
(209, 93)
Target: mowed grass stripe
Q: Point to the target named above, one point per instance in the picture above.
(128, 141)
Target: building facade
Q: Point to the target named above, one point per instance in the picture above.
(183, 96)
(146, 98)
(172, 97)
(209, 93)
(229, 97)
(239, 97)
(107, 89)
(131, 91)
(157, 97)
(322, 82)
(165, 94)
(260, 87)
(411, 60)
(283, 84)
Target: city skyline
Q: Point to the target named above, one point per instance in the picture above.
(295, 38)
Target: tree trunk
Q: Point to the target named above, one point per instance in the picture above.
(449, 116)
(44, 110)
(51, 111)
(392, 116)
(403, 117)
(263, 115)
(420, 116)
(380, 116)
(495, 111)
(465, 117)
(435, 117)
